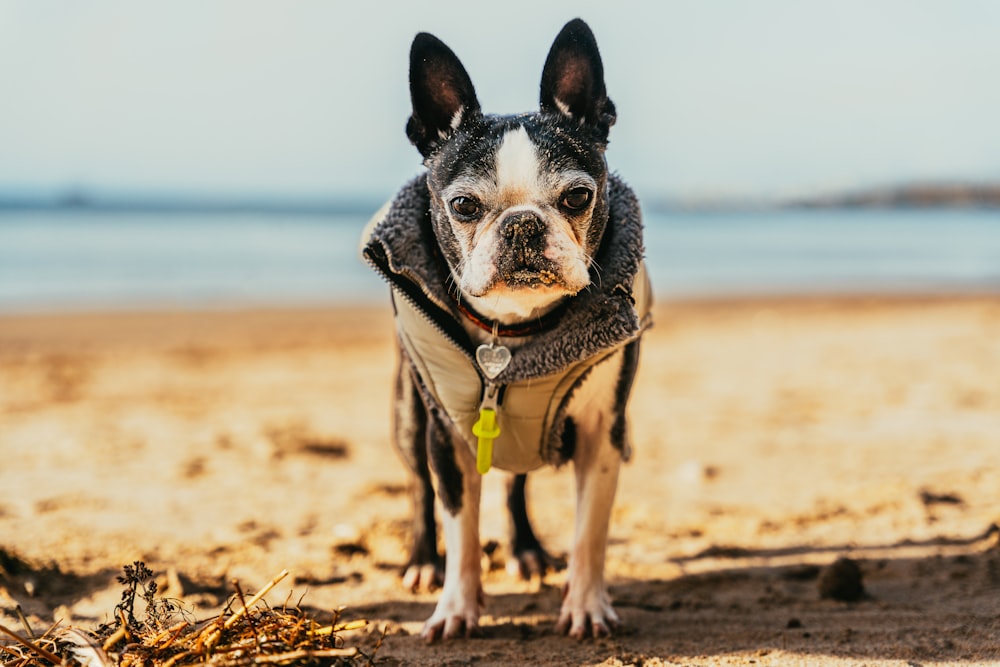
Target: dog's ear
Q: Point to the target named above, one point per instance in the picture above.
(441, 92)
(573, 78)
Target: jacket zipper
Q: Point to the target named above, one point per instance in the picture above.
(490, 393)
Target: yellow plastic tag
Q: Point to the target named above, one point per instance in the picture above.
(486, 430)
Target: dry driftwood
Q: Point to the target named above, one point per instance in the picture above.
(254, 634)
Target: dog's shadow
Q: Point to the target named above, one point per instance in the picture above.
(931, 600)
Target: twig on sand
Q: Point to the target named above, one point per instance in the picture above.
(214, 632)
(51, 657)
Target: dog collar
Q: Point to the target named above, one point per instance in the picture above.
(527, 328)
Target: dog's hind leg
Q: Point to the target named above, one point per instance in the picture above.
(530, 559)
(425, 568)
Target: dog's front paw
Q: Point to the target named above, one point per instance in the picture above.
(456, 615)
(586, 608)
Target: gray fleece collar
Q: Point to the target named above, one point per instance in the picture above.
(599, 318)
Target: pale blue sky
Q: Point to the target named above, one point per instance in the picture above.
(309, 98)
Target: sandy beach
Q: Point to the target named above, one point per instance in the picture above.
(772, 437)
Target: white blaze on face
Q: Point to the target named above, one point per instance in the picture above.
(519, 169)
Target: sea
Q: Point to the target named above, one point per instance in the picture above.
(84, 260)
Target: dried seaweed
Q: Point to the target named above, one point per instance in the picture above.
(247, 632)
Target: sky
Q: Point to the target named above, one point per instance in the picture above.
(305, 98)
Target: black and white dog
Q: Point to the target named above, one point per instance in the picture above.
(520, 295)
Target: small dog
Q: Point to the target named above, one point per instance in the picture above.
(520, 296)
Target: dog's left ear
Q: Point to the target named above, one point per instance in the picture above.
(573, 78)
(441, 92)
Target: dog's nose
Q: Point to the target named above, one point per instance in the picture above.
(522, 228)
(522, 259)
(523, 237)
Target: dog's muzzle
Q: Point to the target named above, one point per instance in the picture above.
(522, 261)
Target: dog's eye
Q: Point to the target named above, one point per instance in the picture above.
(465, 208)
(576, 199)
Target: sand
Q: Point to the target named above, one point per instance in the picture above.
(772, 437)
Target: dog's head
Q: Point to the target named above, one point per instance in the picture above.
(518, 203)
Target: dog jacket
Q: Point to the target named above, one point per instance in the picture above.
(538, 383)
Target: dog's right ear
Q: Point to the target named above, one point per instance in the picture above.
(441, 92)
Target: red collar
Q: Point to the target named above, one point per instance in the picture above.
(527, 328)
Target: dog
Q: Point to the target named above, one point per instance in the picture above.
(520, 296)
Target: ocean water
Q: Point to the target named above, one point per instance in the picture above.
(57, 260)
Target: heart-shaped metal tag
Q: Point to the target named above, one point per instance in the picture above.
(492, 359)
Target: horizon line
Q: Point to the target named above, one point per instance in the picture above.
(917, 194)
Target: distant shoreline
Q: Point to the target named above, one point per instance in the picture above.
(914, 196)
(909, 196)
(181, 206)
